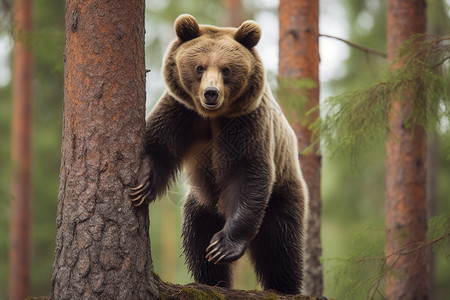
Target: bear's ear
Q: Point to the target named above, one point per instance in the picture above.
(248, 34)
(186, 28)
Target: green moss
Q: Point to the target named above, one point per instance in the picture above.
(271, 296)
(193, 293)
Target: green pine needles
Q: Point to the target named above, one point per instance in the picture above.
(354, 121)
(361, 274)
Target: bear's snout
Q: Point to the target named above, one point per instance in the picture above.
(211, 95)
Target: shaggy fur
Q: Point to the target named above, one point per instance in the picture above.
(219, 122)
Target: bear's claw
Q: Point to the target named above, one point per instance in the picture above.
(139, 189)
(144, 192)
(140, 202)
(141, 198)
(219, 259)
(211, 245)
(215, 254)
(222, 250)
(141, 192)
(210, 257)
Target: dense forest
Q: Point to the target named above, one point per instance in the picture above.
(355, 60)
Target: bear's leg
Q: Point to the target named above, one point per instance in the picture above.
(276, 251)
(199, 225)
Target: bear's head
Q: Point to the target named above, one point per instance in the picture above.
(215, 71)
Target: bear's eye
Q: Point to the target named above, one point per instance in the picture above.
(200, 69)
(226, 71)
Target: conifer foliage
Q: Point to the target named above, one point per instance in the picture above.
(397, 111)
(355, 120)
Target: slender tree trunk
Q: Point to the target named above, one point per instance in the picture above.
(406, 212)
(233, 13)
(299, 60)
(20, 240)
(102, 243)
(432, 171)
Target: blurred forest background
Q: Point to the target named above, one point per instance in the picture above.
(352, 189)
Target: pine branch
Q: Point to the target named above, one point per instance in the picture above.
(354, 121)
(440, 63)
(357, 46)
(408, 249)
(362, 273)
(387, 267)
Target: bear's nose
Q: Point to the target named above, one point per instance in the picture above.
(211, 94)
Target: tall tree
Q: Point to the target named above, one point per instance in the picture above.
(233, 13)
(406, 211)
(20, 241)
(102, 243)
(299, 62)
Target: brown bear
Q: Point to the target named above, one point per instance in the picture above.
(220, 123)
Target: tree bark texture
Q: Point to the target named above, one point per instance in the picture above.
(406, 212)
(233, 13)
(20, 240)
(299, 60)
(102, 244)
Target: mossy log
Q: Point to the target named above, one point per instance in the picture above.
(196, 291)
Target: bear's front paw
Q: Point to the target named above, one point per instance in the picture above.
(223, 250)
(144, 191)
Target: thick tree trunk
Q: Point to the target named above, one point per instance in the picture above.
(406, 212)
(102, 244)
(299, 60)
(20, 240)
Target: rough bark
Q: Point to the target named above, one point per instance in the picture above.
(299, 60)
(406, 213)
(20, 240)
(233, 13)
(102, 244)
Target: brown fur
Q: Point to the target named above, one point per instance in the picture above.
(239, 153)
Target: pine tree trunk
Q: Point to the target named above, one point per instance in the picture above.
(431, 186)
(406, 212)
(20, 240)
(299, 60)
(102, 244)
(233, 13)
